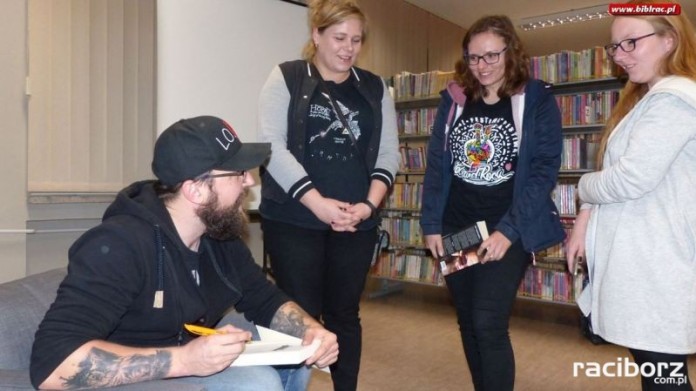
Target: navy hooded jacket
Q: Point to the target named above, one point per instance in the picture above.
(532, 216)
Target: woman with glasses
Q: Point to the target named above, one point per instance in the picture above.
(637, 225)
(494, 155)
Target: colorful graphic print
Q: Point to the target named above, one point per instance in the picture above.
(483, 150)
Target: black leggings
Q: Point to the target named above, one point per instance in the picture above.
(663, 381)
(325, 272)
(483, 296)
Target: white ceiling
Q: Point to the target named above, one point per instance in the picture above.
(576, 36)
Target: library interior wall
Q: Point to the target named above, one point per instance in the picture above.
(402, 37)
(229, 88)
(218, 63)
(13, 149)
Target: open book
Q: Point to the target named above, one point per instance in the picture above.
(461, 247)
(275, 348)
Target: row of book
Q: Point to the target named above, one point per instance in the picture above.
(568, 66)
(565, 66)
(580, 151)
(408, 196)
(557, 252)
(412, 265)
(550, 285)
(416, 121)
(403, 231)
(417, 266)
(591, 108)
(412, 158)
(405, 196)
(565, 196)
(409, 85)
(576, 109)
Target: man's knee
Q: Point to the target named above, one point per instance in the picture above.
(251, 378)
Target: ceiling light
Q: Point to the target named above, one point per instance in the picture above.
(565, 17)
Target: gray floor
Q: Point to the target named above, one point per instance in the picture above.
(411, 342)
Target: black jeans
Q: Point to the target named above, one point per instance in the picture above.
(325, 272)
(663, 381)
(483, 296)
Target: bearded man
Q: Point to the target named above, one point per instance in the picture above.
(169, 252)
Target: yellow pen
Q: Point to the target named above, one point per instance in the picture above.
(201, 330)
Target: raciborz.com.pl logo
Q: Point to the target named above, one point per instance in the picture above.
(663, 373)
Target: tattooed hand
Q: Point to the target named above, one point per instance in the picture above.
(293, 320)
(211, 354)
(327, 353)
(101, 368)
(98, 364)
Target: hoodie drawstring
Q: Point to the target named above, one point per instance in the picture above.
(159, 294)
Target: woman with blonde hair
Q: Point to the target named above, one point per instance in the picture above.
(332, 129)
(637, 225)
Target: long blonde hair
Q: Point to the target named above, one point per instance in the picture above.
(680, 62)
(326, 13)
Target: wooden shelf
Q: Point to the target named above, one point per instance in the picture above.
(411, 172)
(582, 129)
(573, 173)
(417, 103)
(410, 212)
(546, 301)
(583, 86)
(407, 137)
(405, 246)
(419, 282)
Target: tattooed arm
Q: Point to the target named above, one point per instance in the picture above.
(293, 320)
(98, 364)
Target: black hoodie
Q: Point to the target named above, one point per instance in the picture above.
(116, 270)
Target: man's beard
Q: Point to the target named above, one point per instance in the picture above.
(224, 223)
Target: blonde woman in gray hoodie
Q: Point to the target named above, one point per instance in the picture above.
(637, 225)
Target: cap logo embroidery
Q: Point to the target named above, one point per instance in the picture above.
(229, 139)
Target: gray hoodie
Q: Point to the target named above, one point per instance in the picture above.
(641, 237)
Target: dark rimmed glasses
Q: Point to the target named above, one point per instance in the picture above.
(242, 173)
(627, 45)
(489, 58)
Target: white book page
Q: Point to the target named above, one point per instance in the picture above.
(275, 348)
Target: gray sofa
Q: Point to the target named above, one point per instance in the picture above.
(23, 304)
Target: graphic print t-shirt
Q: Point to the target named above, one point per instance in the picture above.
(331, 160)
(484, 145)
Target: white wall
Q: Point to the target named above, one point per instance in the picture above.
(214, 56)
(13, 132)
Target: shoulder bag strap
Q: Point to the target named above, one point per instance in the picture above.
(344, 122)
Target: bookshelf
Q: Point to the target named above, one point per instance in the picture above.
(586, 92)
(407, 259)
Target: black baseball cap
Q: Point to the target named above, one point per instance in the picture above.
(191, 147)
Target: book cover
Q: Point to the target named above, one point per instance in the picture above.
(275, 348)
(458, 261)
(461, 248)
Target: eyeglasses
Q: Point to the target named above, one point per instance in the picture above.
(627, 45)
(489, 58)
(233, 173)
